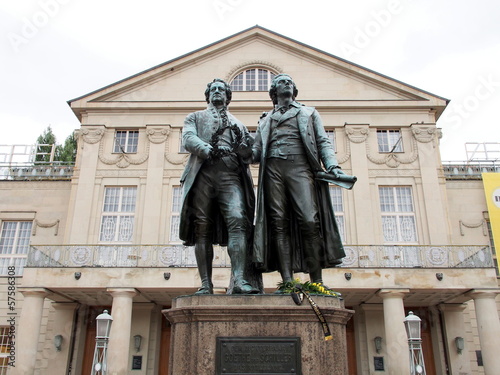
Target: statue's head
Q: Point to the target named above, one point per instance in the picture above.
(282, 80)
(218, 90)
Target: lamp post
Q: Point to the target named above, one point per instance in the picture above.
(412, 325)
(100, 363)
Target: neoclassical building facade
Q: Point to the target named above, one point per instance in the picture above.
(104, 233)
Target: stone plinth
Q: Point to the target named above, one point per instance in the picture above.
(197, 322)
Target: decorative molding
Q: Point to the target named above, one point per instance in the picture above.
(482, 224)
(91, 135)
(250, 64)
(425, 134)
(157, 134)
(121, 173)
(343, 158)
(48, 225)
(357, 134)
(123, 160)
(177, 159)
(394, 160)
(394, 173)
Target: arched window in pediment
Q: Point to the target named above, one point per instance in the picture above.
(254, 79)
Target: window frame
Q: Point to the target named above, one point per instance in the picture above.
(5, 344)
(131, 143)
(175, 215)
(338, 204)
(120, 214)
(253, 75)
(14, 254)
(390, 145)
(399, 214)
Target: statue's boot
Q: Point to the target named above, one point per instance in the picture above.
(312, 252)
(204, 255)
(237, 253)
(285, 260)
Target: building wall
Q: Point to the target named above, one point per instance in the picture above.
(353, 102)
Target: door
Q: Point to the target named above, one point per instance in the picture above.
(164, 346)
(351, 348)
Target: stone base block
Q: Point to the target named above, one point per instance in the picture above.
(199, 323)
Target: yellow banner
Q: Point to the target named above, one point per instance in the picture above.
(491, 183)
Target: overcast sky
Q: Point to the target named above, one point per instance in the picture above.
(52, 51)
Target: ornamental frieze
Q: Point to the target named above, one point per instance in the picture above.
(91, 135)
(425, 134)
(123, 160)
(357, 134)
(393, 160)
(54, 224)
(157, 134)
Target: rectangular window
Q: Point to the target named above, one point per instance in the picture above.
(126, 141)
(331, 136)
(14, 245)
(398, 214)
(338, 208)
(118, 214)
(175, 215)
(389, 141)
(4, 350)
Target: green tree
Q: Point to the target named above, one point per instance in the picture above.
(47, 139)
(67, 152)
(64, 153)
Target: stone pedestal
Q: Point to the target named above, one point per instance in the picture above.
(199, 322)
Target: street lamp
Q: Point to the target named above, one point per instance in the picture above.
(100, 365)
(412, 325)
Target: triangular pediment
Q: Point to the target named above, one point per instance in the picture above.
(319, 76)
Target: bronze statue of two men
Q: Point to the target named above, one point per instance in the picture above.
(295, 228)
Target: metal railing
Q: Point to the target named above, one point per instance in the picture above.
(30, 172)
(373, 256)
(469, 170)
(32, 162)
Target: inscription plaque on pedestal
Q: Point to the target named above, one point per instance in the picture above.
(258, 355)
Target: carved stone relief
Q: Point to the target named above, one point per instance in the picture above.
(482, 224)
(45, 225)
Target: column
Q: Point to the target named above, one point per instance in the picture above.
(363, 214)
(459, 363)
(29, 330)
(119, 337)
(434, 192)
(153, 188)
(398, 352)
(488, 325)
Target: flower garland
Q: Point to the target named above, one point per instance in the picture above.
(297, 289)
(297, 286)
